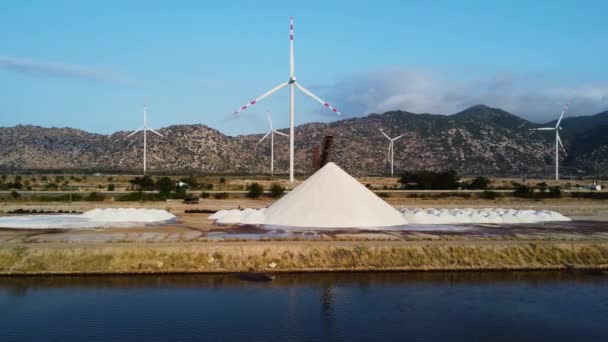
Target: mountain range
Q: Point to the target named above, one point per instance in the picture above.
(477, 141)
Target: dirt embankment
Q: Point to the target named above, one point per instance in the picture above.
(299, 256)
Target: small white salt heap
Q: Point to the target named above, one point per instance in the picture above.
(96, 218)
(483, 215)
(331, 198)
(127, 215)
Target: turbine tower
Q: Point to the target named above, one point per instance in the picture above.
(145, 129)
(292, 85)
(558, 141)
(391, 150)
(271, 133)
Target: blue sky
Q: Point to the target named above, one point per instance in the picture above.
(93, 64)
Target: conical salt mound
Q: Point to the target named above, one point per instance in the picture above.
(331, 198)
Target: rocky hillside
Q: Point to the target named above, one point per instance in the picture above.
(479, 140)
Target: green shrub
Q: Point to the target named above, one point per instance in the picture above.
(15, 194)
(489, 195)
(205, 195)
(111, 187)
(15, 185)
(60, 198)
(144, 183)
(165, 186)
(555, 192)
(522, 190)
(254, 190)
(277, 190)
(430, 180)
(590, 195)
(139, 196)
(479, 183)
(221, 195)
(383, 194)
(51, 186)
(94, 197)
(542, 187)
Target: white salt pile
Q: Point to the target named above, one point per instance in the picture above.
(96, 218)
(128, 215)
(330, 198)
(485, 215)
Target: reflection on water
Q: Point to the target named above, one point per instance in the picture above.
(324, 306)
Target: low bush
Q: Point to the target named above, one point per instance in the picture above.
(221, 195)
(590, 195)
(255, 190)
(277, 190)
(489, 195)
(94, 197)
(60, 198)
(139, 196)
(479, 183)
(555, 192)
(522, 190)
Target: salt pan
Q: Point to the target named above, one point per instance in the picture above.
(96, 218)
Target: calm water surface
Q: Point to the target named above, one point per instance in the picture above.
(517, 306)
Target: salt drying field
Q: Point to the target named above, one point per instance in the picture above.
(412, 217)
(96, 218)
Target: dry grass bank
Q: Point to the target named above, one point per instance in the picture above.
(299, 256)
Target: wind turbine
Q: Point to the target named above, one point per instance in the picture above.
(271, 134)
(391, 150)
(145, 129)
(558, 141)
(292, 85)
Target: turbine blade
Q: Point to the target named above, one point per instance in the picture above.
(155, 132)
(264, 137)
(291, 58)
(387, 137)
(559, 140)
(564, 110)
(268, 93)
(398, 137)
(280, 133)
(136, 131)
(544, 129)
(269, 119)
(307, 92)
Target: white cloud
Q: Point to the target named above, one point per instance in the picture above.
(419, 91)
(52, 69)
